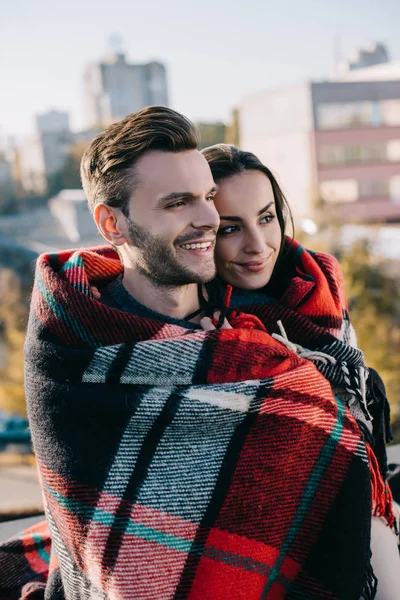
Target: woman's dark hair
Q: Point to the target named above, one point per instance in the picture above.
(226, 161)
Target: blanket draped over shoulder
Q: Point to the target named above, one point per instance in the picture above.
(180, 464)
(310, 315)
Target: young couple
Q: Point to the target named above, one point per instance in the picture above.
(199, 436)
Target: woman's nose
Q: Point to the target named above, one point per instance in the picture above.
(255, 243)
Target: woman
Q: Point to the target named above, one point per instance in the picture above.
(277, 281)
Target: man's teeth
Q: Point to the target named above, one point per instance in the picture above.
(199, 246)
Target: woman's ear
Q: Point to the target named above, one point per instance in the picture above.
(107, 221)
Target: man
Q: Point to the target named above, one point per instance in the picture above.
(154, 203)
(175, 463)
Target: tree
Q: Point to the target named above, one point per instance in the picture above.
(6, 200)
(373, 295)
(69, 176)
(232, 135)
(13, 317)
(374, 306)
(16, 267)
(211, 133)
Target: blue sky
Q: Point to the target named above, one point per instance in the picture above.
(216, 51)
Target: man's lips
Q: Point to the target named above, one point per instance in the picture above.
(202, 246)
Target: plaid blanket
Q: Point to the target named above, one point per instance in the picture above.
(310, 308)
(180, 464)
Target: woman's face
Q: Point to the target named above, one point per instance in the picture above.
(249, 235)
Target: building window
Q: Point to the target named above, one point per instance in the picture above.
(346, 114)
(335, 155)
(331, 155)
(369, 189)
(390, 112)
(393, 151)
(337, 191)
(395, 189)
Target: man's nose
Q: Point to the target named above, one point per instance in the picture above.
(206, 216)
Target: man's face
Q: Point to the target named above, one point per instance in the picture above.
(172, 220)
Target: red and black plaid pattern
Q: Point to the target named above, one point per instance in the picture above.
(24, 564)
(185, 465)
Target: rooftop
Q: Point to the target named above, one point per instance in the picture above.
(64, 223)
(389, 71)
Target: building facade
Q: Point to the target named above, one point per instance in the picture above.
(44, 153)
(357, 147)
(6, 181)
(53, 121)
(115, 88)
(332, 144)
(374, 54)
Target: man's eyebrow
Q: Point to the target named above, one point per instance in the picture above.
(177, 195)
(239, 219)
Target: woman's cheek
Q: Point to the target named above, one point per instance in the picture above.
(220, 252)
(229, 249)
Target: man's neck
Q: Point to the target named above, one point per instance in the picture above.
(173, 302)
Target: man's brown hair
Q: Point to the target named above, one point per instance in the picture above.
(107, 171)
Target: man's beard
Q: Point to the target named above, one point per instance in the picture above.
(157, 261)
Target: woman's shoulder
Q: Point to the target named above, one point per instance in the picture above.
(333, 273)
(326, 261)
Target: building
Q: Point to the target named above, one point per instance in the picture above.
(114, 88)
(32, 169)
(332, 143)
(374, 54)
(43, 154)
(5, 172)
(65, 222)
(6, 182)
(53, 121)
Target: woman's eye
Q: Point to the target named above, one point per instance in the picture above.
(211, 198)
(267, 219)
(228, 229)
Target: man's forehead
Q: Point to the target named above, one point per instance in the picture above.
(161, 170)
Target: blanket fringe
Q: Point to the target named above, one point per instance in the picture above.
(382, 500)
(371, 584)
(33, 591)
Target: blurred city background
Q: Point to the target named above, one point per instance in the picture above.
(312, 88)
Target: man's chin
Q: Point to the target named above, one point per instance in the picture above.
(204, 275)
(209, 277)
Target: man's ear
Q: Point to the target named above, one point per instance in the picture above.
(108, 221)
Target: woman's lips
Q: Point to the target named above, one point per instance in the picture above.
(254, 265)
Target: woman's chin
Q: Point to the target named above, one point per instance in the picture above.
(254, 282)
(240, 278)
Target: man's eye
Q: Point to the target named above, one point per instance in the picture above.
(211, 197)
(228, 229)
(176, 204)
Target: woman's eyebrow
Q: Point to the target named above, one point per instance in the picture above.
(260, 212)
(238, 219)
